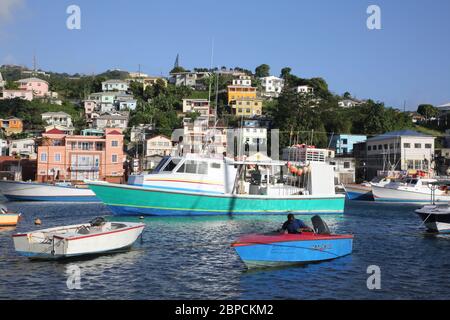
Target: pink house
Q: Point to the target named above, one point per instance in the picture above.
(76, 158)
(38, 86)
(22, 94)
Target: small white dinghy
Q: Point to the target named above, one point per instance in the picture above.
(96, 237)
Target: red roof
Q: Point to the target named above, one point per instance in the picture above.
(55, 131)
(115, 132)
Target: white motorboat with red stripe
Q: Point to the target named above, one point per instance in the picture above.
(96, 237)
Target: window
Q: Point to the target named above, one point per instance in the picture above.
(57, 157)
(374, 147)
(380, 147)
(406, 145)
(346, 165)
(428, 146)
(114, 143)
(114, 158)
(417, 145)
(385, 146)
(369, 148)
(43, 157)
(344, 141)
(410, 164)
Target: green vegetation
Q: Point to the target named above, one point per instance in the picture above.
(30, 112)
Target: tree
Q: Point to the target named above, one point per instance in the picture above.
(428, 111)
(262, 71)
(178, 69)
(285, 73)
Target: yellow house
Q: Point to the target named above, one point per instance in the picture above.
(241, 92)
(11, 125)
(247, 107)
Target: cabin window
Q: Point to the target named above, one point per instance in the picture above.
(202, 168)
(171, 165)
(215, 165)
(190, 167)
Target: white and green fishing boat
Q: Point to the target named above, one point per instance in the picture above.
(199, 185)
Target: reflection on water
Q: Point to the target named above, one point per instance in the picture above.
(7, 229)
(191, 258)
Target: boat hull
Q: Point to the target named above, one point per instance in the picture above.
(385, 194)
(297, 249)
(9, 219)
(132, 200)
(83, 245)
(360, 193)
(30, 191)
(435, 222)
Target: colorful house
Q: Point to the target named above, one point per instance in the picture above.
(240, 92)
(38, 86)
(76, 158)
(247, 107)
(11, 125)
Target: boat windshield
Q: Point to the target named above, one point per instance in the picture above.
(411, 181)
(171, 165)
(161, 164)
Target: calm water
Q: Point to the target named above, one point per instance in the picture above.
(191, 258)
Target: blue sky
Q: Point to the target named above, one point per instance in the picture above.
(407, 60)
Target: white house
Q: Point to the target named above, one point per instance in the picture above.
(272, 86)
(18, 93)
(57, 118)
(349, 103)
(23, 147)
(248, 140)
(243, 81)
(114, 85)
(159, 145)
(196, 105)
(2, 82)
(304, 89)
(111, 120)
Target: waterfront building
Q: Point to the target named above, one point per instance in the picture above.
(404, 150)
(79, 157)
(344, 169)
(343, 143)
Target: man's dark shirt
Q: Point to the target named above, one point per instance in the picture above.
(293, 226)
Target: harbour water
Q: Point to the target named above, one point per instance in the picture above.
(191, 258)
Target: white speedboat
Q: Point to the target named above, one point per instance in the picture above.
(436, 217)
(412, 190)
(34, 191)
(92, 238)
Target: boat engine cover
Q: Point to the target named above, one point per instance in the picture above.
(320, 227)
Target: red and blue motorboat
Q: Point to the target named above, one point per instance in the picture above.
(273, 250)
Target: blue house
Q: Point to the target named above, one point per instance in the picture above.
(343, 143)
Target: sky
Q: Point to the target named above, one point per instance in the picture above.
(408, 60)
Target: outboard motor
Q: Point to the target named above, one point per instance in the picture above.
(320, 227)
(98, 222)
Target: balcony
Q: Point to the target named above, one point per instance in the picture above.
(84, 168)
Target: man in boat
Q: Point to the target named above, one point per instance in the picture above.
(294, 226)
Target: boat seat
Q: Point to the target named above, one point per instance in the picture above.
(83, 230)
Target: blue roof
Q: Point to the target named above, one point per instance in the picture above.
(399, 133)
